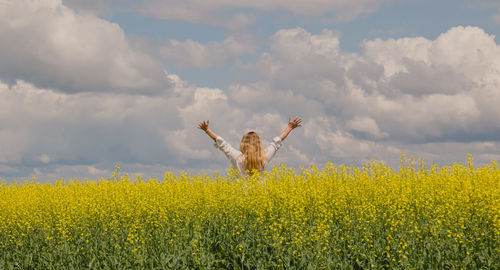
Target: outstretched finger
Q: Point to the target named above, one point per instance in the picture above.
(298, 121)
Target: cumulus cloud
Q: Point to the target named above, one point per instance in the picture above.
(51, 46)
(365, 125)
(80, 128)
(395, 95)
(51, 134)
(48, 133)
(218, 12)
(189, 53)
(206, 104)
(338, 145)
(43, 129)
(437, 99)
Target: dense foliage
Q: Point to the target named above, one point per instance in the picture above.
(371, 217)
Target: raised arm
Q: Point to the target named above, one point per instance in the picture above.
(292, 124)
(204, 126)
(221, 144)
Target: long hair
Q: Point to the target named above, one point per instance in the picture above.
(253, 151)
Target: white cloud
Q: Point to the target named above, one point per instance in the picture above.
(339, 145)
(48, 44)
(44, 158)
(365, 125)
(218, 12)
(437, 99)
(191, 53)
(178, 140)
(396, 95)
(466, 51)
(55, 134)
(206, 104)
(41, 127)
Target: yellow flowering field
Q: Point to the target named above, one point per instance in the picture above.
(334, 217)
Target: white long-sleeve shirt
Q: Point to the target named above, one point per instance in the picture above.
(236, 157)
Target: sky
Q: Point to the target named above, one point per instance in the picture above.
(88, 84)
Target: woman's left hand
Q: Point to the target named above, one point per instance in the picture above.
(204, 125)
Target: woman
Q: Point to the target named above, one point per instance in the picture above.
(252, 156)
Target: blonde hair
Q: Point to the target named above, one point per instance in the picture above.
(253, 152)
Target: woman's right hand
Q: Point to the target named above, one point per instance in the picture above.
(291, 125)
(294, 123)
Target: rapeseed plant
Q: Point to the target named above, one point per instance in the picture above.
(370, 217)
